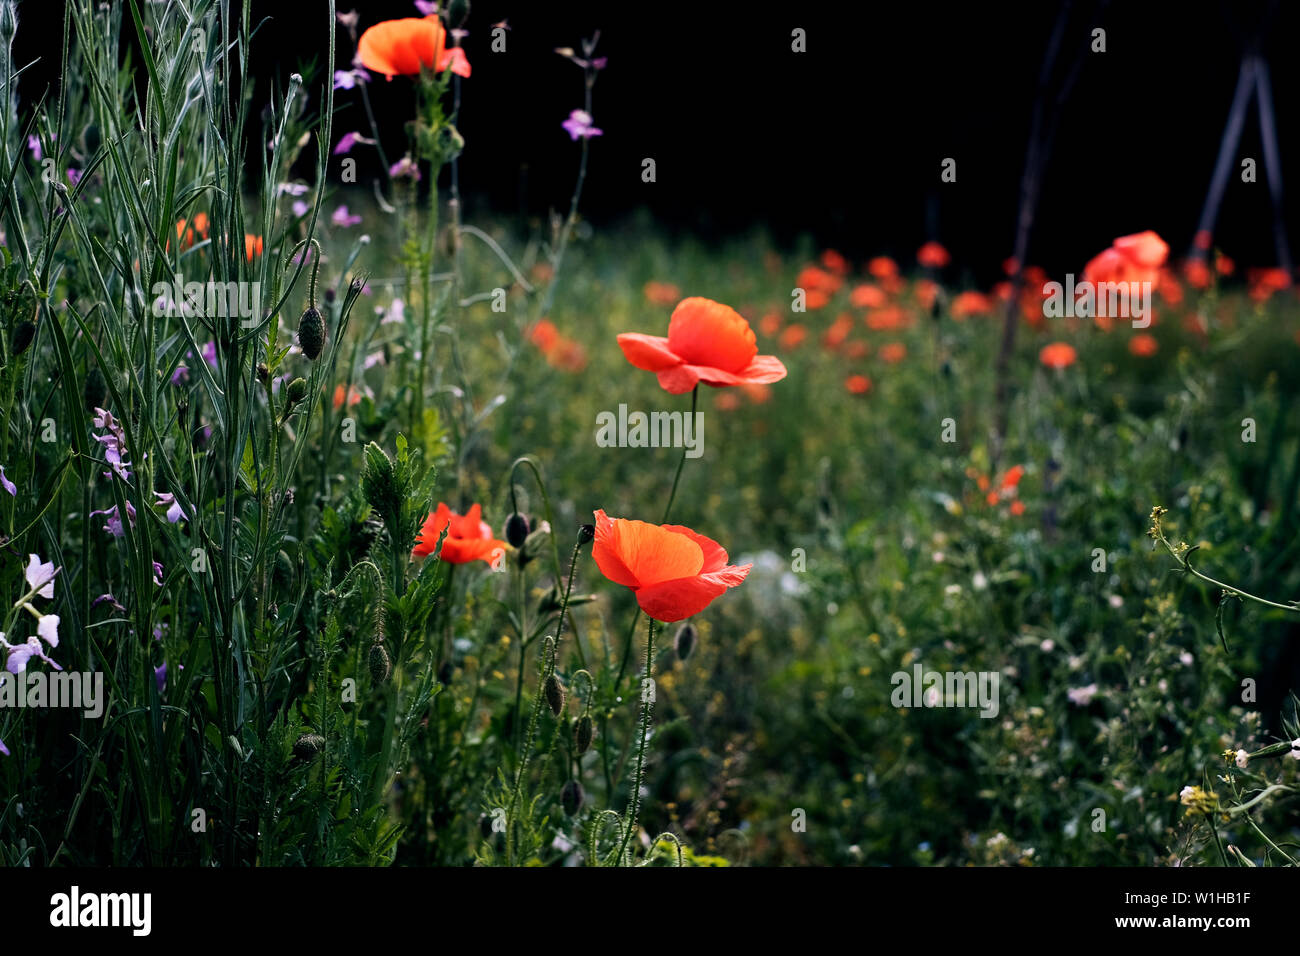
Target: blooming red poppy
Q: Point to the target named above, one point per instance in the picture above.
(707, 342)
(893, 352)
(857, 384)
(867, 296)
(352, 393)
(966, 304)
(252, 246)
(469, 537)
(792, 336)
(1058, 355)
(840, 329)
(926, 291)
(1017, 507)
(1197, 273)
(401, 47)
(883, 267)
(1143, 345)
(933, 256)
(835, 262)
(673, 571)
(661, 293)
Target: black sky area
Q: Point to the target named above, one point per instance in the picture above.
(842, 143)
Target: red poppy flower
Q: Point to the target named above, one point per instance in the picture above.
(1143, 345)
(840, 329)
(707, 342)
(883, 267)
(1058, 355)
(835, 262)
(933, 256)
(857, 384)
(966, 304)
(792, 336)
(661, 293)
(673, 571)
(401, 47)
(252, 246)
(469, 538)
(867, 296)
(893, 352)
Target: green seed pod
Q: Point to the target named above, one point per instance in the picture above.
(381, 665)
(571, 798)
(297, 391)
(311, 334)
(554, 692)
(308, 746)
(24, 332)
(95, 391)
(684, 642)
(582, 731)
(516, 530)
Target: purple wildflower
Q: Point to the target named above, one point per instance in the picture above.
(210, 353)
(343, 219)
(426, 8)
(160, 675)
(34, 144)
(348, 140)
(113, 523)
(299, 208)
(578, 125)
(405, 168)
(9, 486)
(74, 175)
(181, 375)
(111, 601)
(20, 654)
(174, 511)
(40, 577)
(348, 79)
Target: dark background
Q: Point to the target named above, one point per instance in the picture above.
(842, 143)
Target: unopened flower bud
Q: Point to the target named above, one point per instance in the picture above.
(582, 733)
(684, 642)
(311, 334)
(308, 746)
(516, 530)
(554, 692)
(571, 798)
(586, 533)
(381, 665)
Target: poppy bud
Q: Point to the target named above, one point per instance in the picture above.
(582, 731)
(95, 391)
(554, 692)
(571, 798)
(535, 542)
(516, 530)
(308, 746)
(684, 642)
(23, 335)
(329, 296)
(311, 334)
(381, 665)
(297, 391)
(586, 533)
(263, 373)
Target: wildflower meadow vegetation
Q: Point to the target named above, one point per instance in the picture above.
(338, 529)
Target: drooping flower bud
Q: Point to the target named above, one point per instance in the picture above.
(516, 530)
(684, 642)
(582, 733)
(571, 798)
(381, 665)
(586, 533)
(554, 692)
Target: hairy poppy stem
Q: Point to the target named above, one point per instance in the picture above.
(647, 711)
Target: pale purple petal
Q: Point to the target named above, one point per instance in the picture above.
(48, 629)
(9, 486)
(40, 577)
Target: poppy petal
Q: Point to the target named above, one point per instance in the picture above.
(648, 352)
(604, 552)
(675, 600)
(708, 333)
(680, 379)
(715, 556)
